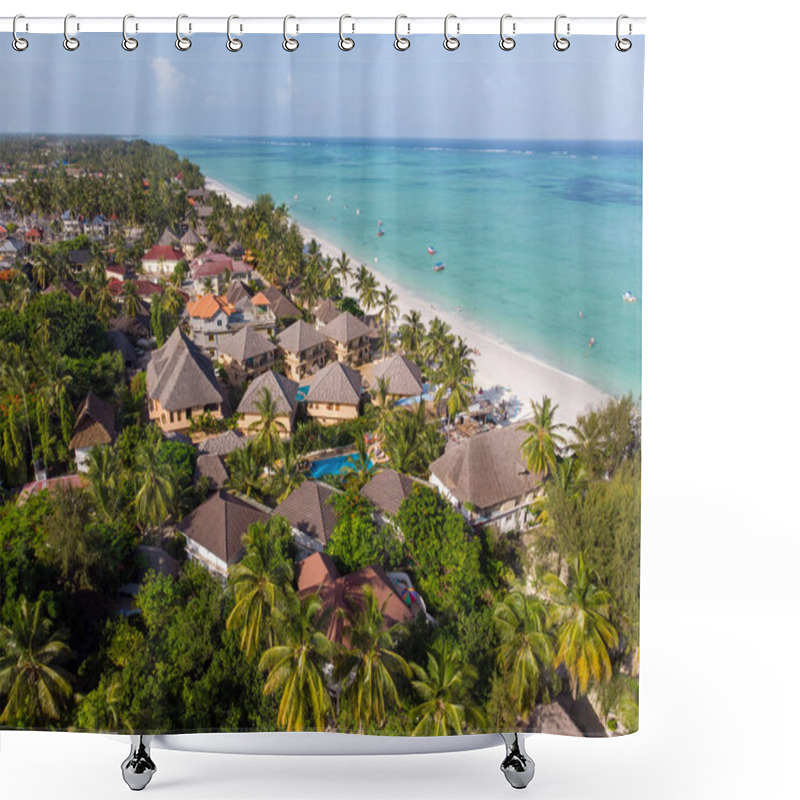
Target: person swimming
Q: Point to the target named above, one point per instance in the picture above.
(591, 342)
(580, 315)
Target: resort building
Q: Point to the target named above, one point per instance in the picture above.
(348, 339)
(303, 349)
(211, 467)
(94, 425)
(326, 312)
(239, 294)
(215, 529)
(386, 490)
(223, 444)
(181, 384)
(343, 595)
(487, 479)
(274, 300)
(310, 514)
(284, 395)
(161, 260)
(246, 354)
(169, 238)
(334, 394)
(212, 268)
(210, 318)
(189, 243)
(402, 375)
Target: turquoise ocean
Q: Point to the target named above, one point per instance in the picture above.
(532, 234)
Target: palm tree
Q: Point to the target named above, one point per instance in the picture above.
(543, 446)
(367, 662)
(383, 400)
(456, 378)
(295, 666)
(388, 311)
(109, 713)
(103, 478)
(35, 685)
(258, 581)
(584, 635)
(246, 466)
(412, 333)
(443, 689)
(358, 469)
(267, 426)
(154, 480)
(172, 301)
(437, 339)
(342, 269)
(367, 288)
(131, 302)
(287, 474)
(525, 655)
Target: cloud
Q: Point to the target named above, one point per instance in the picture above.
(168, 78)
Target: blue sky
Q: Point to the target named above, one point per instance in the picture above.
(591, 91)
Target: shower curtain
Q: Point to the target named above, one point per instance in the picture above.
(321, 383)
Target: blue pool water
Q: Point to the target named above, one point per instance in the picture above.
(331, 466)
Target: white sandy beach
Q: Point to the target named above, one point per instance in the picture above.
(496, 363)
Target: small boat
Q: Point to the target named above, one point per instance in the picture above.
(628, 297)
(439, 266)
(381, 232)
(431, 250)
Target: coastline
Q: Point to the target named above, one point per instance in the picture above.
(496, 363)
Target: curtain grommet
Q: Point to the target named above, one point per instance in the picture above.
(401, 43)
(561, 43)
(623, 45)
(183, 43)
(451, 43)
(70, 43)
(507, 43)
(233, 44)
(289, 43)
(19, 43)
(129, 43)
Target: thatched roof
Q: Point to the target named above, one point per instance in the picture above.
(403, 375)
(239, 294)
(211, 466)
(158, 560)
(168, 238)
(326, 311)
(180, 376)
(245, 343)
(335, 383)
(219, 524)
(345, 328)
(343, 596)
(277, 301)
(282, 389)
(119, 341)
(308, 510)
(553, 718)
(94, 423)
(223, 444)
(299, 336)
(190, 237)
(387, 489)
(487, 468)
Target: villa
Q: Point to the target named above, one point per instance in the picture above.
(487, 480)
(310, 514)
(215, 529)
(343, 595)
(181, 384)
(189, 243)
(402, 375)
(161, 260)
(386, 490)
(277, 302)
(284, 395)
(348, 339)
(210, 318)
(210, 267)
(246, 354)
(94, 426)
(334, 394)
(303, 349)
(326, 312)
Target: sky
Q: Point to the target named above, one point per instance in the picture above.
(590, 91)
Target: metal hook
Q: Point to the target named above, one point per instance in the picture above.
(451, 42)
(70, 42)
(401, 42)
(623, 45)
(128, 42)
(561, 43)
(507, 42)
(233, 44)
(289, 44)
(18, 43)
(182, 42)
(345, 42)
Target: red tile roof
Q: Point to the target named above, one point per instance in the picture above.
(162, 252)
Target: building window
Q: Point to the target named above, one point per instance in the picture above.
(210, 337)
(188, 413)
(219, 323)
(171, 417)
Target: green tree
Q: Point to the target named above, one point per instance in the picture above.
(155, 481)
(584, 634)
(246, 467)
(542, 448)
(455, 377)
(35, 685)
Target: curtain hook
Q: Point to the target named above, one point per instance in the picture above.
(507, 42)
(18, 43)
(182, 42)
(70, 42)
(289, 44)
(623, 45)
(128, 42)
(561, 43)
(401, 42)
(451, 42)
(345, 42)
(233, 44)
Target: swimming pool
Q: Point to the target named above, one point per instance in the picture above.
(302, 393)
(332, 466)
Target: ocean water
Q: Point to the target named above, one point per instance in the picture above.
(539, 239)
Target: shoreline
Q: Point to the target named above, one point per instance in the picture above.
(496, 362)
